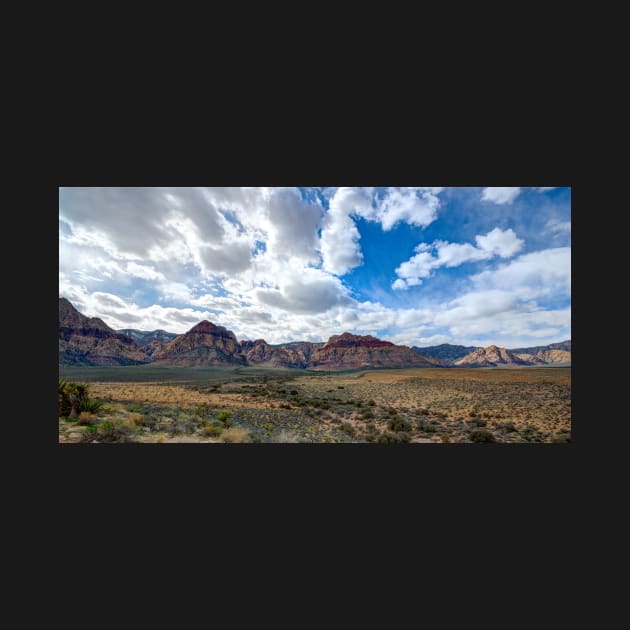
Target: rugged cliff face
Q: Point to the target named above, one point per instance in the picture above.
(554, 356)
(295, 355)
(490, 357)
(347, 351)
(259, 352)
(90, 341)
(204, 344)
(494, 356)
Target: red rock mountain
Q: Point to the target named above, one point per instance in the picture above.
(203, 344)
(295, 354)
(90, 341)
(347, 352)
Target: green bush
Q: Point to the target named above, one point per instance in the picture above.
(482, 435)
(399, 425)
(108, 432)
(478, 422)
(348, 429)
(214, 428)
(426, 426)
(393, 438)
(224, 416)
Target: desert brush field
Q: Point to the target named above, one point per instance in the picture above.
(146, 404)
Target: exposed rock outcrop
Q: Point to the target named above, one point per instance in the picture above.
(347, 351)
(90, 341)
(203, 344)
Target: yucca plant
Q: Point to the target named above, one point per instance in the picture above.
(90, 405)
(64, 398)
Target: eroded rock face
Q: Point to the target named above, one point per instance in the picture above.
(490, 357)
(295, 355)
(495, 356)
(554, 356)
(90, 341)
(347, 351)
(203, 344)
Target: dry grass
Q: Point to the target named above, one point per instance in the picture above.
(176, 395)
(441, 405)
(235, 436)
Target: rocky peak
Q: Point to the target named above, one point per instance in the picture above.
(348, 340)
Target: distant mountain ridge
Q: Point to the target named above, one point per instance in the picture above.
(450, 354)
(143, 337)
(561, 345)
(446, 352)
(90, 341)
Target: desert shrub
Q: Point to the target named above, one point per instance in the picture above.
(340, 387)
(426, 426)
(224, 416)
(368, 413)
(398, 425)
(348, 429)
(109, 432)
(85, 417)
(482, 435)
(445, 438)
(294, 392)
(561, 438)
(371, 403)
(235, 436)
(389, 437)
(212, 431)
(479, 422)
(510, 427)
(202, 410)
(135, 418)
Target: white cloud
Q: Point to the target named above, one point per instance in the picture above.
(545, 188)
(502, 243)
(555, 226)
(537, 274)
(340, 237)
(497, 242)
(500, 195)
(143, 271)
(412, 205)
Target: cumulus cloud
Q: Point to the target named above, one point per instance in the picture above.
(314, 292)
(500, 195)
(415, 206)
(497, 242)
(537, 274)
(340, 237)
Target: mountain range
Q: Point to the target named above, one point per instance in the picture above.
(474, 356)
(90, 341)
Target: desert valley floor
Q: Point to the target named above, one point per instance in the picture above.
(158, 404)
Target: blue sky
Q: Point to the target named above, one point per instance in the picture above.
(418, 266)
